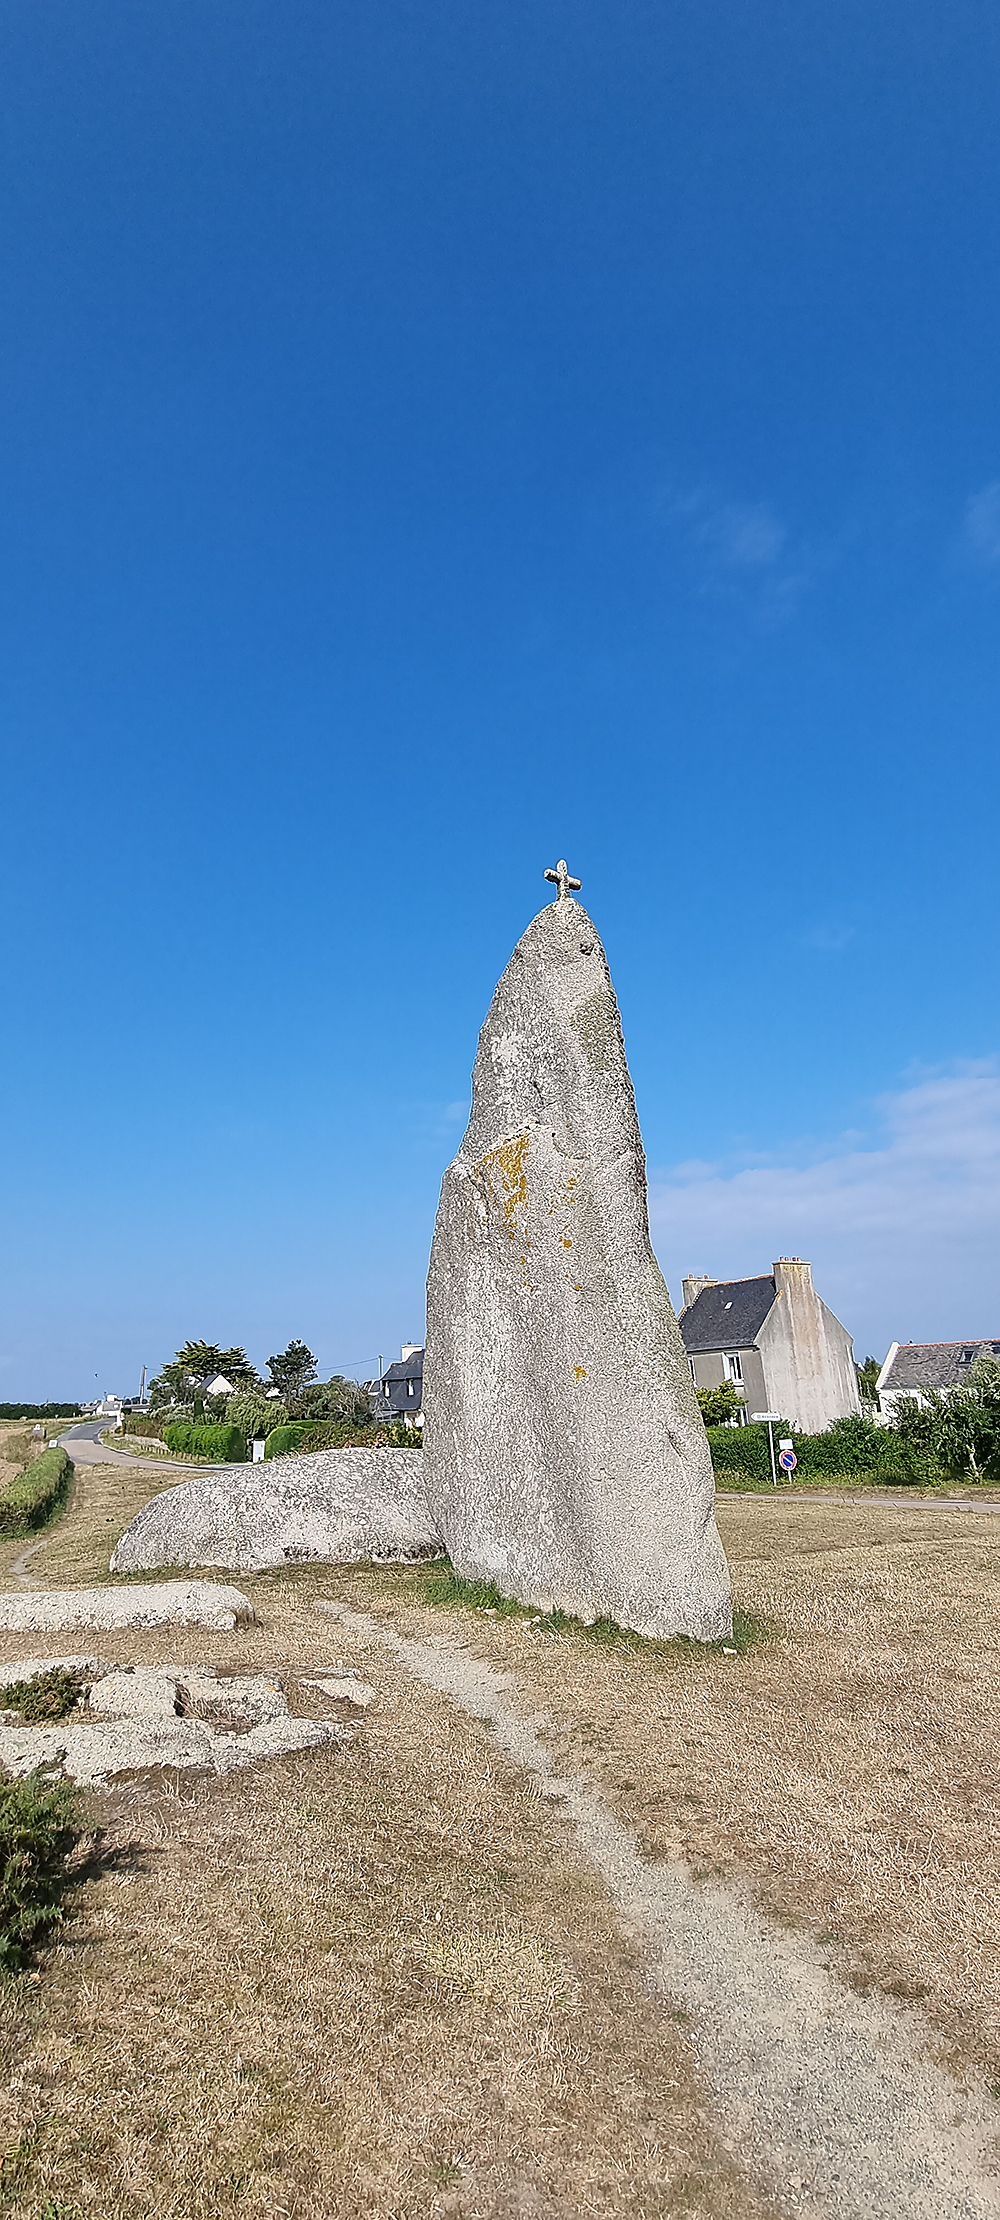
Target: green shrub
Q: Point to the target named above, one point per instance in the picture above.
(283, 1439)
(253, 1414)
(37, 1833)
(32, 1498)
(223, 1445)
(51, 1695)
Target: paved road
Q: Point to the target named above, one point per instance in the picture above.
(896, 1500)
(86, 1448)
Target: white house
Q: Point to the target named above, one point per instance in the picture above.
(913, 1369)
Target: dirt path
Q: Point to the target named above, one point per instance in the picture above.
(822, 2092)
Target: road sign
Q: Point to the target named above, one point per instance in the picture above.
(788, 1460)
(785, 1443)
(766, 1418)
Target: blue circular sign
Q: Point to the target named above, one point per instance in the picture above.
(788, 1460)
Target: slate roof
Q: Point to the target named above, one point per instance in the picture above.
(393, 1399)
(935, 1364)
(728, 1315)
(409, 1368)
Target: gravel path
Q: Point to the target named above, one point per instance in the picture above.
(823, 2094)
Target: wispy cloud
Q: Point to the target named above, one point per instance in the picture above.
(902, 1227)
(981, 533)
(829, 939)
(744, 549)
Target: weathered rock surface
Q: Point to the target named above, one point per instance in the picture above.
(161, 1603)
(564, 1451)
(336, 1506)
(180, 1716)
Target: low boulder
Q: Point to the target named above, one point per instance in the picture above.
(335, 1506)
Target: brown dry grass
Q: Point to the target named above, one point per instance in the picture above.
(363, 1981)
(847, 1766)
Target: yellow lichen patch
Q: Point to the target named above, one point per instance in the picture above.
(566, 1242)
(579, 1372)
(510, 1160)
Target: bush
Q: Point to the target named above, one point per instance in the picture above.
(222, 1445)
(37, 1832)
(50, 1695)
(32, 1498)
(253, 1414)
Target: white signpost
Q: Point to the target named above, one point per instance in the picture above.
(772, 1419)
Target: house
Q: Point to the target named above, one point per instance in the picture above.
(219, 1386)
(778, 1343)
(913, 1369)
(399, 1392)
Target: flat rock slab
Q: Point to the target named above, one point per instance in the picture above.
(343, 1688)
(336, 1506)
(164, 1603)
(177, 1716)
(29, 1668)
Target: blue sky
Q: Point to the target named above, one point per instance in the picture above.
(438, 440)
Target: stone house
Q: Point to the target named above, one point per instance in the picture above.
(914, 1368)
(778, 1343)
(400, 1390)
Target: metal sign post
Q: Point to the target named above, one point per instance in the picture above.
(772, 1419)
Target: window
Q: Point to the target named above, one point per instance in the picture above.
(692, 1371)
(409, 1387)
(733, 1367)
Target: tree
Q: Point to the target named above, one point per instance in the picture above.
(719, 1405)
(292, 1371)
(189, 1372)
(203, 1359)
(336, 1398)
(868, 1373)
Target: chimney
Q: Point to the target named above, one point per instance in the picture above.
(793, 1276)
(693, 1286)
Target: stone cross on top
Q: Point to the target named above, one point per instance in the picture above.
(560, 877)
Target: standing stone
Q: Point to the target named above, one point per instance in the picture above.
(564, 1454)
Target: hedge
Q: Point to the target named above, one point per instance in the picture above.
(308, 1434)
(223, 1445)
(38, 1410)
(31, 1499)
(851, 1449)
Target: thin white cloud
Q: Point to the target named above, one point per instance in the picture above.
(744, 551)
(982, 523)
(903, 1232)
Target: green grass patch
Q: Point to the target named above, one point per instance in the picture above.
(36, 1495)
(438, 1584)
(50, 1695)
(37, 1832)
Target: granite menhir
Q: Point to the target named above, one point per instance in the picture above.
(565, 1458)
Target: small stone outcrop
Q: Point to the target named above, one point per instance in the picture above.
(565, 1456)
(160, 1603)
(131, 1721)
(336, 1506)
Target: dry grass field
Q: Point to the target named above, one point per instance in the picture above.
(367, 1981)
(381, 1980)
